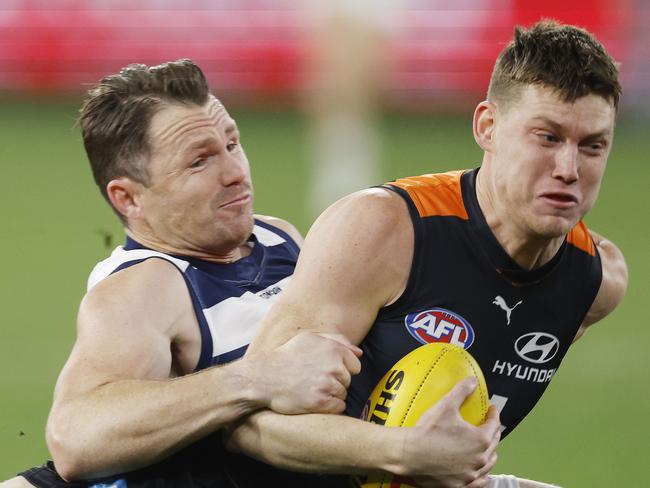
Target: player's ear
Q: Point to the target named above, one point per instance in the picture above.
(484, 123)
(124, 195)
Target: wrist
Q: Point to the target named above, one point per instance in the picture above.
(245, 381)
(393, 457)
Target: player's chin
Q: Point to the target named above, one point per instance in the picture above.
(242, 225)
(554, 226)
(236, 217)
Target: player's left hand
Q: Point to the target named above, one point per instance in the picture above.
(448, 452)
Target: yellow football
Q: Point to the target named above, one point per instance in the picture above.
(416, 383)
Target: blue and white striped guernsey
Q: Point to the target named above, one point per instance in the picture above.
(230, 300)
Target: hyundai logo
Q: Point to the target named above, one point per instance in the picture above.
(537, 347)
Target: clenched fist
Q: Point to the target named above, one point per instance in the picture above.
(309, 373)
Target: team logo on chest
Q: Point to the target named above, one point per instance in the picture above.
(440, 325)
(500, 302)
(537, 347)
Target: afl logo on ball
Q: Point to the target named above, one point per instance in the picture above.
(440, 325)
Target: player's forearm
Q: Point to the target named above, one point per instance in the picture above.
(127, 424)
(319, 443)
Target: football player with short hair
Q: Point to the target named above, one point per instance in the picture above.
(497, 259)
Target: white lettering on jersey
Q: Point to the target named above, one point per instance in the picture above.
(521, 372)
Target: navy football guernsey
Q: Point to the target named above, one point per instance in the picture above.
(465, 289)
(230, 302)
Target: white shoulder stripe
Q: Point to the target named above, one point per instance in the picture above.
(120, 256)
(234, 321)
(267, 237)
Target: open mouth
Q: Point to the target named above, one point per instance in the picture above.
(560, 199)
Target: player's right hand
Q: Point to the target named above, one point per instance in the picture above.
(443, 450)
(309, 373)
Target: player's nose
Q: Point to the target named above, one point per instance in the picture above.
(567, 163)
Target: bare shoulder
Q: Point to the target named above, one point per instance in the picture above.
(361, 244)
(148, 284)
(356, 259)
(284, 225)
(146, 307)
(614, 282)
(375, 210)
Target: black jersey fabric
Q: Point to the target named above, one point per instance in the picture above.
(465, 289)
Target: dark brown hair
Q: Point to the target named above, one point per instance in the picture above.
(563, 57)
(117, 112)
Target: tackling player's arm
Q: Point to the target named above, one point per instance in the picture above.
(355, 260)
(115, 407)
(613, 285)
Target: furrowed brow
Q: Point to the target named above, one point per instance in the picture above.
(604, 136)
(551, 123)
(201, 143)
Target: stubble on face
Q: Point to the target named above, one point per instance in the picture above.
(199, 171)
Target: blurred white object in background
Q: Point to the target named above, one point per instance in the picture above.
(347, 58)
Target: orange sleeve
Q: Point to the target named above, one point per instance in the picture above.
(435, 194)
(579, 237)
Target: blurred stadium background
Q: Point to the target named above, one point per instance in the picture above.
(405, 75)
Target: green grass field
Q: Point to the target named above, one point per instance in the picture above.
(590, 429)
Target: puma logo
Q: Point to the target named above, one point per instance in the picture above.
(501, 303)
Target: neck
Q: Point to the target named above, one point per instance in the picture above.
(527, 249)
(225, 255)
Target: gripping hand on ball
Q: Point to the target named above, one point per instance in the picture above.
(444, 450)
